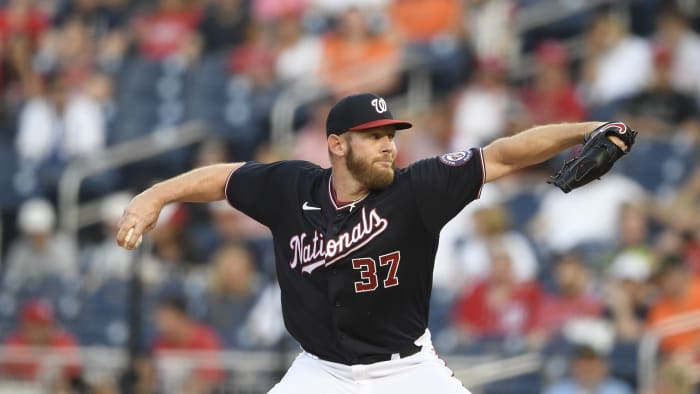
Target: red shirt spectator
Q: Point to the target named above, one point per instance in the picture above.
(552, 98)
(39, 332)
(19, 18)
(482, 314)
(572, 299)
(178, 332)
(168, 30)
(500, 305)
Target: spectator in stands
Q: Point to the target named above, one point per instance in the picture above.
(682, 220)
(675, 33)
(167, 31)
(40, 337)
(482, 109)
(270, 11)
(633, 229)
(39, 126)
(616, 64)
(102, 16)
(628, 295)
(311, 141)
(355, 59)
(299, 54)
(434, 139)
(589, 374)
(433, 34)
(552, 97)
(492, 227)
(491, 29)
(178, 333)
(57, 126)
(679, 294)
(593, 226)
(662, 109)
(224, 25)
(234, 288)
(16, 73)
(421, 21)
(573, 296)
(22, 18)
(500, 306)
(41, 252)
(171, 247)
(232, 225)
(106, 260)
(334, 8)
(70, 52)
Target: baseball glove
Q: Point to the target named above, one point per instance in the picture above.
(596, 157)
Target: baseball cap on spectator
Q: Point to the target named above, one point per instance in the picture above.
(631, 265)
(36, 216)
(37, 312)
(360, 112)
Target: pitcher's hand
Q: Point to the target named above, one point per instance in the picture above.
(139, 217)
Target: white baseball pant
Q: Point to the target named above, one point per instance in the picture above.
(422, 372)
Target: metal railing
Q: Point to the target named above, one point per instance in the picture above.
(547, 12)
(247, 371)
(496, 370)
(73, 215)
(649, 346)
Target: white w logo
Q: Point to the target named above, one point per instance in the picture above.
(380, 105)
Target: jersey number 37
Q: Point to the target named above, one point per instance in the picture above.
(368, 271)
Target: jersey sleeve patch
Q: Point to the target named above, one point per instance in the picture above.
(456, 159)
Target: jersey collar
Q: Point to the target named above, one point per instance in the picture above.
(338, 205)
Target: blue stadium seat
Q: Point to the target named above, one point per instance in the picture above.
(524, 384)
(623, 361)
(522, 207)
(659, 166)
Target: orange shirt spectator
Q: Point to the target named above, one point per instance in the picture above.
(680, 294)
(39, 332)
(355, 60)
(422, 20)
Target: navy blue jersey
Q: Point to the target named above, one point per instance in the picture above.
(356, 277)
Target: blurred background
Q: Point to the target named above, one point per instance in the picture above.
(597, 291)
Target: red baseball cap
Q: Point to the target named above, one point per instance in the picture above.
(360, 112)
(38, 312)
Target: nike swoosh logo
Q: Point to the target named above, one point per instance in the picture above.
(308, 207)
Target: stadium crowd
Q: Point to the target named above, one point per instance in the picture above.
(580, 277)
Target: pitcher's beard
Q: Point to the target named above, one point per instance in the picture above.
(372, 178)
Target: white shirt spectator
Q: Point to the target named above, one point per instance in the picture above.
(300, 61)
(590, 214)
(685, 72)
(39, 129)
(85, 126)
(44, 132)
(479, 116)
(623, 70)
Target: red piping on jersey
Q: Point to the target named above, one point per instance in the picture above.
(483, 173)
(340, 204)
(228, 179)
